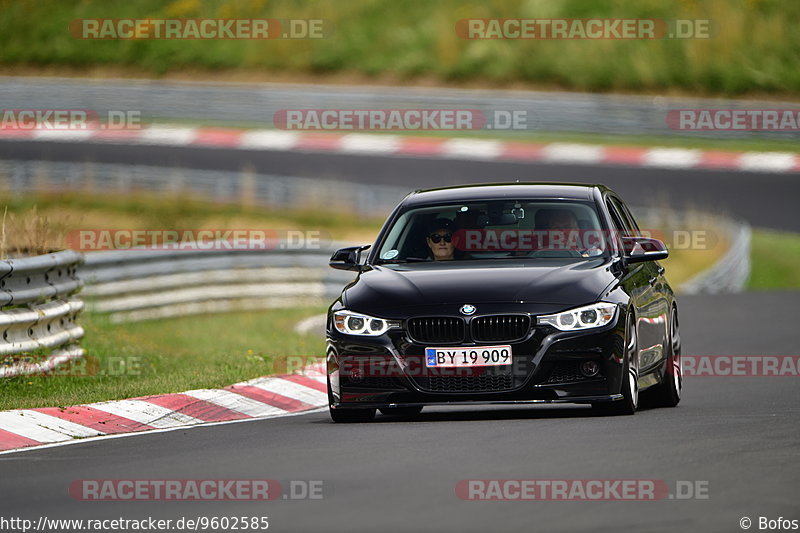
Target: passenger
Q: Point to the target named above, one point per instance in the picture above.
(563, 224)
(440, 240)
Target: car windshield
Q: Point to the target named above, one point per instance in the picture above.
(495, 229)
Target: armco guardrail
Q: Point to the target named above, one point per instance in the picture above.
(37, 312)
(146, 284)
(731, 272)
(257, 103)
(243, 187)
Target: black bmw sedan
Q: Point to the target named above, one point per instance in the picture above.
(504, 293)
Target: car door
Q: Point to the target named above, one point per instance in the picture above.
(633, 280)
(652, 307)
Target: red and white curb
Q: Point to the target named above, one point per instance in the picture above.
(429, 147)
(266, 397)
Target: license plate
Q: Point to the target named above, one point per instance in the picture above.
(468, 357)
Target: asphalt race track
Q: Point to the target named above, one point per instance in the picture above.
(736, 435)
(739, 436)
(766, 200)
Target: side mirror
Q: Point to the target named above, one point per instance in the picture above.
(347, 258)
(641, 249)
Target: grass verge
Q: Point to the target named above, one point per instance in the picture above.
(752, 47)
(688, 255)
(163, 356)
(775, 258)
(69, 211)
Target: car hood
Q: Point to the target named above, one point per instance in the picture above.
(551, 282)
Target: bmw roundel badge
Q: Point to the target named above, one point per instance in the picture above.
(468, 309)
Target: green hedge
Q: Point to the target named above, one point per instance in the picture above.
(755, 47)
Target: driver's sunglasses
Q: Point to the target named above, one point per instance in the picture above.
(436, 237)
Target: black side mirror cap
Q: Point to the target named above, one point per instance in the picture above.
(641, 249)
(347, 258)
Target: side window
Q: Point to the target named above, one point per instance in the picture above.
(619, 223)
(620, 226)
(628, 226)
(627, 214)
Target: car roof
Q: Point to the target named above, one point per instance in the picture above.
(500, 191)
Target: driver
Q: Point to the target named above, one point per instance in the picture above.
(440, 240)
(562, 220)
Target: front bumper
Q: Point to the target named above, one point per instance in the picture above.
(389, 370)
(381, 405)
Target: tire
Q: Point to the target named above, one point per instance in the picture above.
(668, 393)
(348, 416)
(352, 416)
(630, 383)
(404, 412)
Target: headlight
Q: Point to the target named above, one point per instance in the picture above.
(358, 324)
(590, 316)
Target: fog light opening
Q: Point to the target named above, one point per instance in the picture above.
(590, 369)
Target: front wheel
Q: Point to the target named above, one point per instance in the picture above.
(630, 380)
(347, 416)
(668, 393)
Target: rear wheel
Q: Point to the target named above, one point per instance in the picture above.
(630, 380)
(668, 393)
(404, 412)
